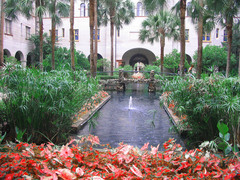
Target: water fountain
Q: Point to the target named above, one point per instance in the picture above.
(122, 120)
(130, 104)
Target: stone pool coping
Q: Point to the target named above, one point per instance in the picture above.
(174, 119)
(82, 120)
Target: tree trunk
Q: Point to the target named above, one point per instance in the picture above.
(112, 14)
(91, 24)
(1, 34)
(53, 36)
(200, 34)
(239, 62)
(182, 35)
(162, 44)
(72, 34)
(41, 44)
(96, 38)
(229, 34)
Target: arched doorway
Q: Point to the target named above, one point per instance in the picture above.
(6, 53)
(189, 59)
(29, 60)
(19, 56)
(99, 56)
(132, 56)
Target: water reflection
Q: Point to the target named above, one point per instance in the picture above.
(146, 122)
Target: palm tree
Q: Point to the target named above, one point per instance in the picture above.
(160, 26)
(182, 35)
(56, 9)
(14, 7)
(1, 33)
(91, 24)
(203, 16)
(226, 10)
(117, 12)
(152, 5)
(72, 34)
(96, 34)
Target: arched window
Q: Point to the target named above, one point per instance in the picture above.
(188, 6)
(82, 10)
(139, 9)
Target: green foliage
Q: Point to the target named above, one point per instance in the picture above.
(148, 68)
(171, 61)
(103, 64)
(63, 60)
(42, 103)
(204, 102)
(215, 56)
(47, 48)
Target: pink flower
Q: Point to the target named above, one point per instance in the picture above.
(154, 150)
(79, 171)
(93, 139)
(145, 146)
(66, 152)
(66, 174)
(136, 171)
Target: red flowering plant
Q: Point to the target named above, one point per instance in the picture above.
(80, 160)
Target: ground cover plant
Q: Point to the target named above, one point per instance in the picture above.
(79, 160)
(205, 102)
(39, 105)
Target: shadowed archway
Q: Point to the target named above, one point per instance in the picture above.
(6, 54)
(19, 56)
(135, 55)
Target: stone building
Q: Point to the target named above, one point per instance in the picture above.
(127, 47)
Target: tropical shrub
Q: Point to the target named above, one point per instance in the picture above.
(216, 57)
(149, 68)
(47, 47)
(172, 61)
(42, 103)
(63, 60)
(103, 64)
(79, 160)
(205, 102)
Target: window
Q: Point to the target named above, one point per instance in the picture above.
(98, 34)
(206, 37)
(76, 34)
(8, 26)
(217, 33)
(188, 6)
(225, 36)
(28, 32)
(139, 9)
(118, 33)
(186, 34)
(56, 35)
(82, 10)
(63, 32)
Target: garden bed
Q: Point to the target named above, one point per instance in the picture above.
(179, 122)
(80, 160)
(99, 100)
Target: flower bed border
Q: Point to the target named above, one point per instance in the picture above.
(174, 119)
(82, 120)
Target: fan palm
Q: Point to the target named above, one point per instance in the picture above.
(15, 7)
(72, 34)
(226, 10)
(203, 16)
(57, 9)
(117, 12)
(1, 32)
(160, 26)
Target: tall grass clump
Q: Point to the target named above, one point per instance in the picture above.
(42, 103)
(205, 102)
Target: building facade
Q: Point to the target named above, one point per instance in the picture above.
(128, 49)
